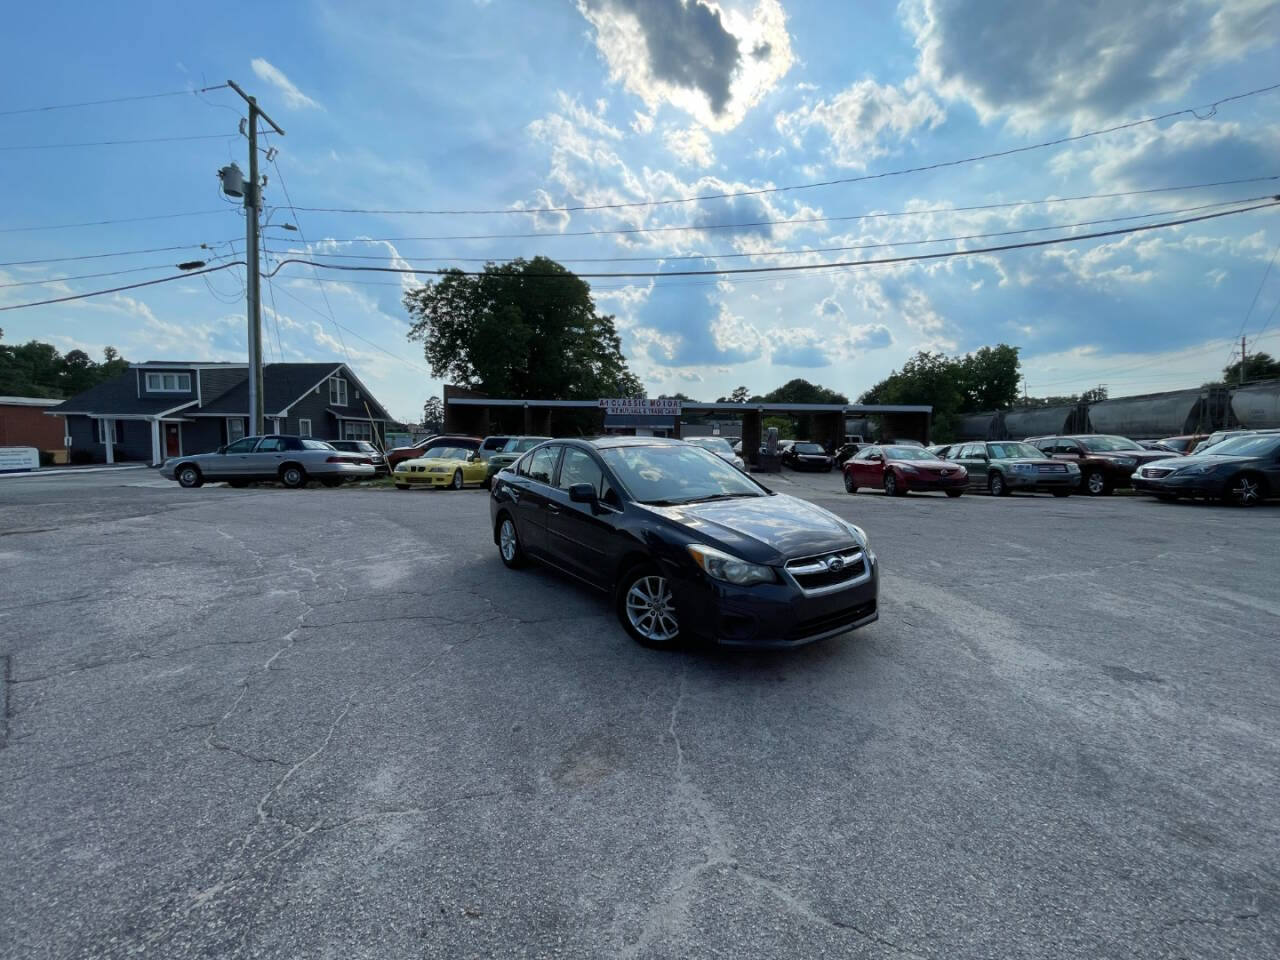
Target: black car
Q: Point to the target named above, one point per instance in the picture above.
(367, 449)
(803, 455)
(687, 545)
(1243, 470)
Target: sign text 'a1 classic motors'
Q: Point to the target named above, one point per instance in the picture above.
(633, 406)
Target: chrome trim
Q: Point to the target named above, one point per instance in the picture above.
(800, 566)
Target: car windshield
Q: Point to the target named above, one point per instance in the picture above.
(1247, 446)
(1013, 451)
(714, 444)
(521, 444)
(448, 453)
(1176, 443)
(308, 444)
(665, 475)
(1108, 444)
(908, 453)
(809, 448)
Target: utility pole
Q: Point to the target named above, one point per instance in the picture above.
(252, 209)
(1241, 361)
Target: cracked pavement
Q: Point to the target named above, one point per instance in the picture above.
(268, 723)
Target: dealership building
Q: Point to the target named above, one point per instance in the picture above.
(471, 413)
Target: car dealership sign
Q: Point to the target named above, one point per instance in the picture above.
(639, 406)
(19, 459)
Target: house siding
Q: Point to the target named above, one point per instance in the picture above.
(24, 426)
(313, 407)
(203, 435)
(83, 431)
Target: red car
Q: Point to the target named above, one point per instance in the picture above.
(898, 470)
(419, 449)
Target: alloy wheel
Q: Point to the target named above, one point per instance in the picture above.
(507, 540)
(1244, 491)
(650, 610)
(1096, 482)
(457, 479)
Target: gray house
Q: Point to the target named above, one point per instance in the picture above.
(162, 409)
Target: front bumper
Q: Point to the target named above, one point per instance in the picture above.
(773, 615)
(921, 484)
(800, 463)
(1042, 481)
(423, 479)
(1194, 485)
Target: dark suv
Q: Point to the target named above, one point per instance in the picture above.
(1105, 462)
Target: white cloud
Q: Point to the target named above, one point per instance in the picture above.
(1085, 60)
(691, 146)
(714, 63)
(294, 98)
(859, 120)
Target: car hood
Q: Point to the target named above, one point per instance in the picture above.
(763, 529)
(1177, 463)
(1142, 456)
(1039, 461)
(935, 464)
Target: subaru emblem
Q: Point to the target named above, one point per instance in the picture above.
(835, 564)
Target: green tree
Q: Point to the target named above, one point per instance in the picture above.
(1257, 366)
(739, 395)
(36, 369)
(433, 414)
(528, 328)
(989, 378)
(802, 391)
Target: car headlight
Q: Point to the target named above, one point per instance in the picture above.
(1072, 468)
(1125, 461)
(723, 566)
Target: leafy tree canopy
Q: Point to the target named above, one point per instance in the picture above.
(515, 331)
(739, 395)
(801, 391)
(36, 369)
(1257, 366)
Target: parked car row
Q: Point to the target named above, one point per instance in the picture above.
(1244, 470)
(290, 460)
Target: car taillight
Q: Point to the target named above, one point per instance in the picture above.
(341, 460)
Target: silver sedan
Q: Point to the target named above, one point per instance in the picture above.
(290, 460)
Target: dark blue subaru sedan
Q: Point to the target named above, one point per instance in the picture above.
(688, 546)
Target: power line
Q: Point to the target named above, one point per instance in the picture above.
(106, 223)
(115, 143)
(102, 256)
(128, 286)
(799, 267)
(87, 276)
(807, 220)
(810, 250)
(1212, 109)
(98, 103)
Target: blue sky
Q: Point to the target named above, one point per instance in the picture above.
(503, 105)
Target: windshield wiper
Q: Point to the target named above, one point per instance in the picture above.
(718, 496)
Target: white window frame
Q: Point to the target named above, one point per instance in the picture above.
(117, 430)
(178, 379)
(304, 427)
(357, 430)
(244, 429)
(341, 386)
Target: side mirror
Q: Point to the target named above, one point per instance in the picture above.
(583, 493)
(222, 449)
(474, 458)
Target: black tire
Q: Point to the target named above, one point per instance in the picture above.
(293, 476)
(456, 483)
(189, 476)
(1062, 493)
(647, 581)
(331, 482)
(511, 552)
(402, 486)
(849, 485)
(1095, 484)
(891, 487)
(1245, 490)
(997, 485)
(954, 493)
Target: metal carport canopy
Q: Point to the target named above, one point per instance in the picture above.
(692, 405)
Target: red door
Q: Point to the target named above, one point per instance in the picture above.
(172, 442)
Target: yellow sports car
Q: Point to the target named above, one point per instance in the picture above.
(446, 467)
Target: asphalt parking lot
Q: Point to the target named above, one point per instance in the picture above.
(268, 723)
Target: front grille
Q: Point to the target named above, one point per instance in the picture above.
(1053, 468)
(1155, 474)
(828, 571)
(817, 626)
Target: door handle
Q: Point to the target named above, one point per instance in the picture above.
(553, 508)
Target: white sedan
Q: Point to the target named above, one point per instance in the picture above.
(720, 447)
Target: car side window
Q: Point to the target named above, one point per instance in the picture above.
(270, 445)
(290, 443)
(1068, 446)
(542, 465)
(579, 467)
(242, 446)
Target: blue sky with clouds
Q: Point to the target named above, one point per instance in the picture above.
(505, 105)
